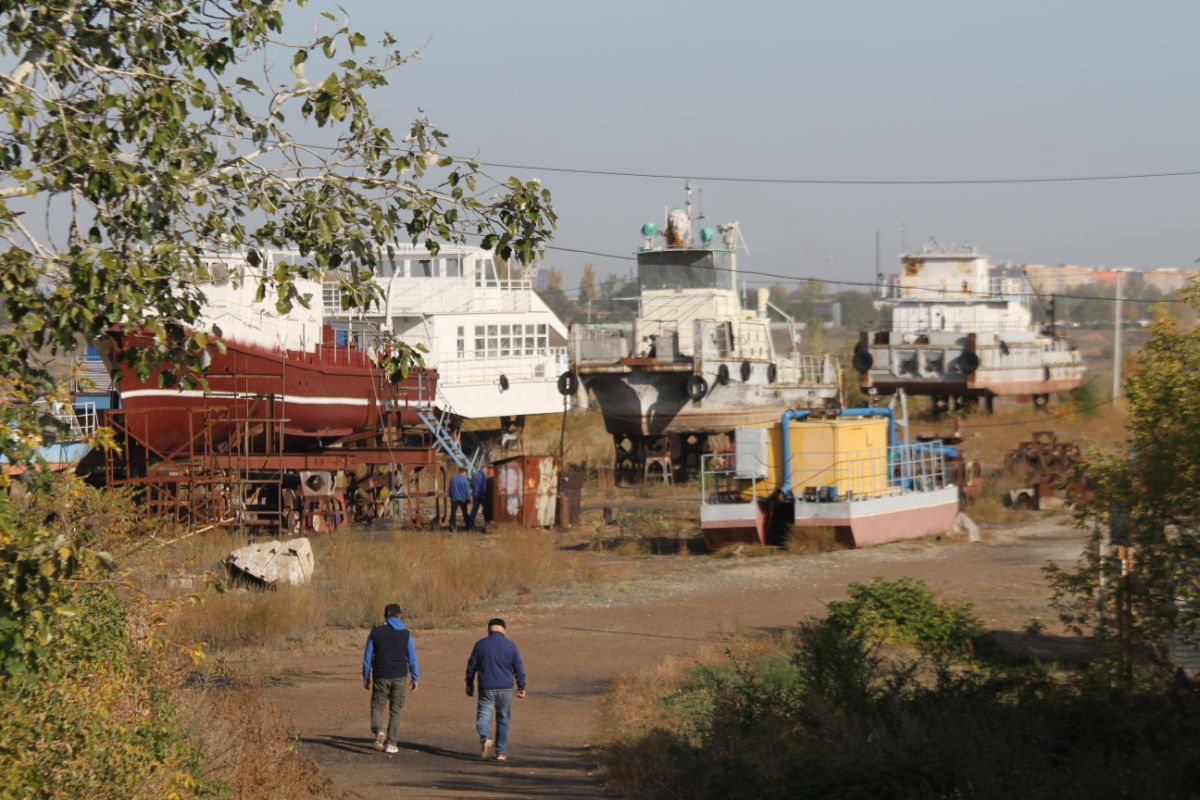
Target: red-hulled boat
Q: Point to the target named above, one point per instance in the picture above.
(319, 396)
(278, 380)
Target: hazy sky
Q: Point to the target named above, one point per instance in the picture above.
(872, 89)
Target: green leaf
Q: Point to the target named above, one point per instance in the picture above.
(298, 63)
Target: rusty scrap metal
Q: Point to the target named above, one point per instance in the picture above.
(1041, 468)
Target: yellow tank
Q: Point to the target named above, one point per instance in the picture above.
(847, 453)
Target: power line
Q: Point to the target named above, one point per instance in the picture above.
(815, 181)
(470, 161)
(834, 181)
(873, 286)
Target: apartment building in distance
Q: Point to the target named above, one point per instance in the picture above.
(1063, 278)
(1055, 279)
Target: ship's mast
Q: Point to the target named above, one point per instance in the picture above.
(688, 191)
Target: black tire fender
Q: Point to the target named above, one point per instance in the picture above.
(745, 371)
(697, 387)
(862, 360)
(723, 375)
(568, 383)
(503, 382)
(772, 373)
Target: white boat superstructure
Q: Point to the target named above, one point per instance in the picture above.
(497, 347)
(957, 335)
(696, 362)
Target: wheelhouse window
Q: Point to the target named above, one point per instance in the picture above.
(504, 341)
(453, 266)
(685, 269)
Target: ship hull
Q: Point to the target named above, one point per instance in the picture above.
(318, 397)
(856, 523)
(1039, 367)
(644, 403)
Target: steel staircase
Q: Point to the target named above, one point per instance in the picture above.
(433, 421)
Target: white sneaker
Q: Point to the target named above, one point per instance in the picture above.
(380, 738)
(488, 751)
(391, 748)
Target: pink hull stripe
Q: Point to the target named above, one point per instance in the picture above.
(890, 526)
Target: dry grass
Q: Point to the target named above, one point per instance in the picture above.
(437, 578)
(811, 540)
(988, 438)
(989, 506)
(249, 746)
(635, 706)
(745, 550)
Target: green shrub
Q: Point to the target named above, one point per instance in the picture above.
(87, 707)
(906, 611)
(826, 716)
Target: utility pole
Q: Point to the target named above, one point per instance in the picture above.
(1116, 391)
(878, 274)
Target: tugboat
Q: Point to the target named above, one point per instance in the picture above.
(695, 364)
(957, 336)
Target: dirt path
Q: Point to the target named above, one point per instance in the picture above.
(573, 652)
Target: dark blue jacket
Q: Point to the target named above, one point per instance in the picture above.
(384, 647)
(460, 490)
(479, 485)
(497, 661)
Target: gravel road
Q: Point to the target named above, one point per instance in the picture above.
(575, 644)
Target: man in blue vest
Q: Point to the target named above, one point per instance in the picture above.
(388, 662)
(497, 662)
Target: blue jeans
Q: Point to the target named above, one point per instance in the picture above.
(499, 700)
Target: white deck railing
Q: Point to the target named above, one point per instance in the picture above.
(457, 295)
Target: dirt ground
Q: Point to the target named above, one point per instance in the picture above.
(577, 644)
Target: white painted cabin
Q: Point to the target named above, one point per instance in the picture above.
(497, 347)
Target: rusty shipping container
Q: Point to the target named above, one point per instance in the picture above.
(525, 490)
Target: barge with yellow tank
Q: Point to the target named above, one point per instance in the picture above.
(837, 469)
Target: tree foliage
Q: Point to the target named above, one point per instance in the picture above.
(587, 285)
(139, 135)
(1138, 581)
(556, 297)
(83, 673)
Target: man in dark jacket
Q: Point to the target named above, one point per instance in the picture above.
(478, 495)
(497, 662)
(460, 496)
(388, 661)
